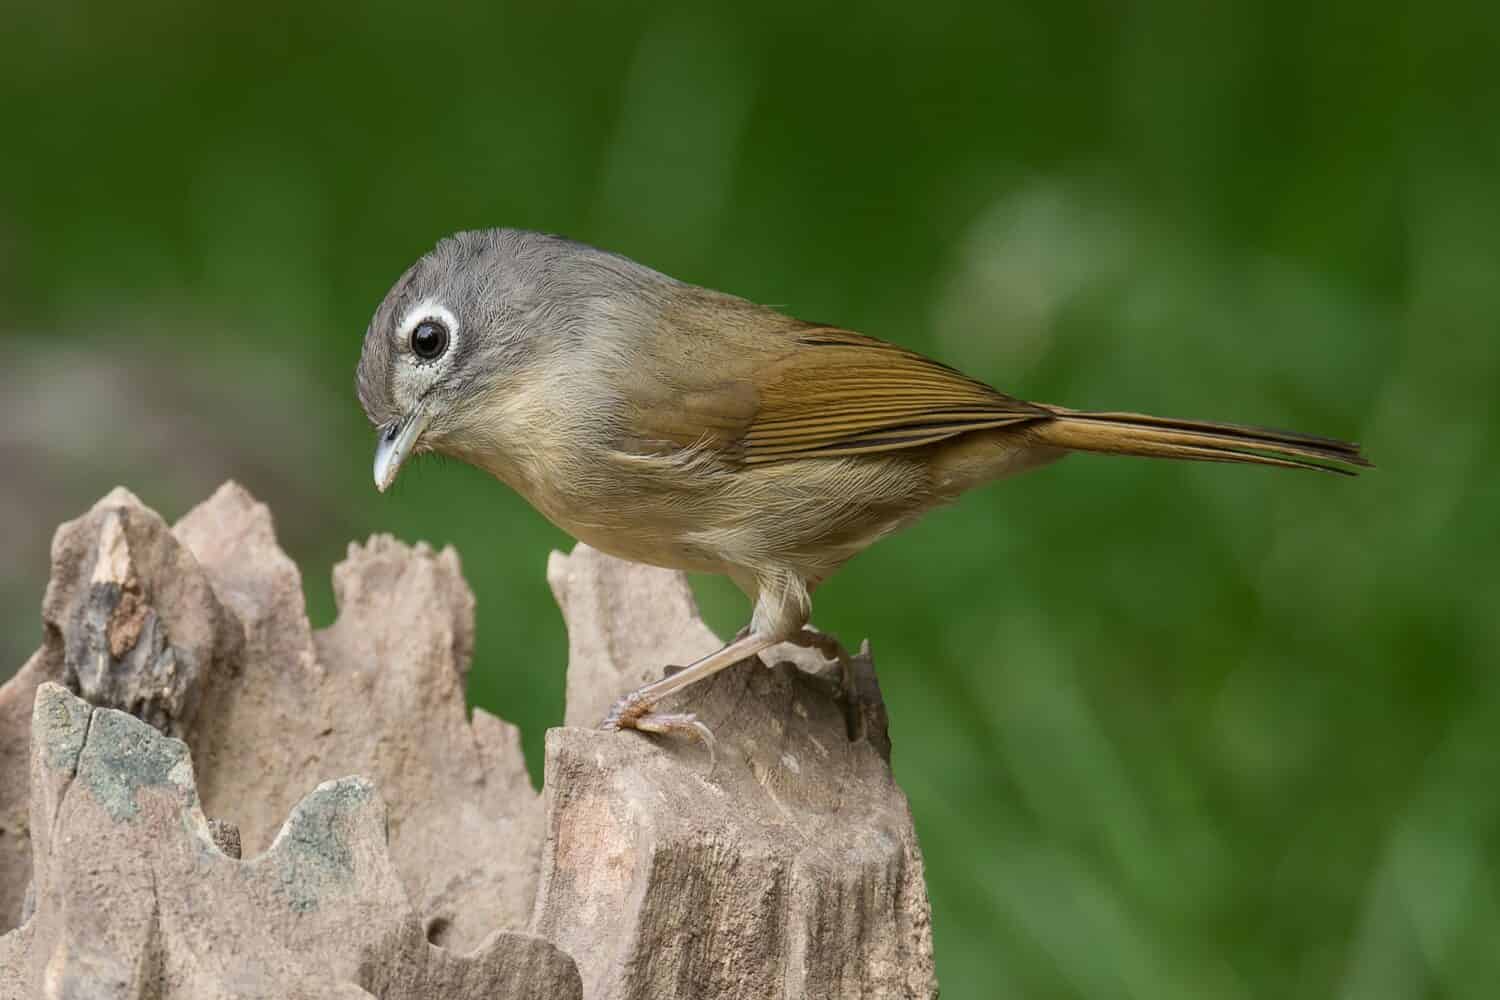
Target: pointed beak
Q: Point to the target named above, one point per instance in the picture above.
(395, 443)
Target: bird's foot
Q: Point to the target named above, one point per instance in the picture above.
(829, 647)
(634, 712)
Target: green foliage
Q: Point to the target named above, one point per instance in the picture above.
(1168, 732)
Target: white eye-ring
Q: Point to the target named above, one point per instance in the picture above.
(429, 330)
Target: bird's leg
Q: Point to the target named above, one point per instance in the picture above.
(781, 609)
(634, 711)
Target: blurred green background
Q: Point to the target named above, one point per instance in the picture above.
(1167, 731)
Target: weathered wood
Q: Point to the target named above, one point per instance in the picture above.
(788, 869)
(135, 899)
(278, 709)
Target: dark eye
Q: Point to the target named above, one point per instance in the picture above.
(429, 339)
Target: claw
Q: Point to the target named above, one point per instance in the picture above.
(624, 713)
(634, 712)
(829, 647)
(687, 723)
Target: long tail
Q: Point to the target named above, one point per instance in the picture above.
(1196, 440)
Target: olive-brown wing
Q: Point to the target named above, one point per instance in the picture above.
(804, 391)
(843, 393)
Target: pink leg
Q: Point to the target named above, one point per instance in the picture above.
(634, 710)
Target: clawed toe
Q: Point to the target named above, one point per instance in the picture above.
(624, 713)
(683, 724)
(831, 649)
(634, 711)
(631, 712)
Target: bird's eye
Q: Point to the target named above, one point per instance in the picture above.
(429, 339)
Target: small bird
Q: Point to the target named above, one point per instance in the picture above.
(674, 425)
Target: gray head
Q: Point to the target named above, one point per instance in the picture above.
(478, 309)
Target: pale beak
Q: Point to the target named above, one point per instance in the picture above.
(395, 443)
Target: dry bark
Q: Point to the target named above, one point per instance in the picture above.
(789, 868)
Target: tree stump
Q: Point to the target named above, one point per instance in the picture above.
(368, 837)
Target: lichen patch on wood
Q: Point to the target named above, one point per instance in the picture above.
(369, 837)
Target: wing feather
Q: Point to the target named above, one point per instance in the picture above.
(774, 389)
(843, 393)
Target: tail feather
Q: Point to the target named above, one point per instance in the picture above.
(1197, 440)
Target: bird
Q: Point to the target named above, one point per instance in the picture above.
(671, 424)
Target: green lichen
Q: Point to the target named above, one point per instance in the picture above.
(62, 722)
(124, 754)
(312, 855)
